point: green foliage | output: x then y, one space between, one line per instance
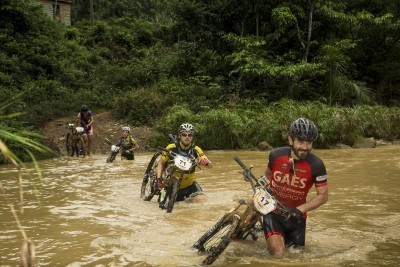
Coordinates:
174 117
214 63
219 129
241 127
379 122
158 140
139 107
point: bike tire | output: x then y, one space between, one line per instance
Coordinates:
217 239
148 188
80 147
69 145
199 245
111 157
173 195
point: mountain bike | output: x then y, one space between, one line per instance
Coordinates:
177 168
114 151
149 186
244 220
74 142
173 174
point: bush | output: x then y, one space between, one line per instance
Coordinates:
139 107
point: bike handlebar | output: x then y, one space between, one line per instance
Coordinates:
281 208
245 168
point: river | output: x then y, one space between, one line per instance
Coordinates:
86 212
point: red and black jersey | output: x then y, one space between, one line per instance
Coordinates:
292 179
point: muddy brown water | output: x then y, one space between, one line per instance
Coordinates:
86 212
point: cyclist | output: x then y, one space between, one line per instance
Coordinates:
128 144
185 146
292 171
85 120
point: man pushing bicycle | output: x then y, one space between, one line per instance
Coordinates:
189 187
292 171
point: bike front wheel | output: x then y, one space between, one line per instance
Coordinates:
173 195
111 157
80 147
217 239
168 198
148 188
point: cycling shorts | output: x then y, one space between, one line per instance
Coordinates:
293 233
188 191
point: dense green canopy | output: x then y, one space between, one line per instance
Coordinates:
142 58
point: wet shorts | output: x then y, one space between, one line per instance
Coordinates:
129 155
86 132
188 191
293 233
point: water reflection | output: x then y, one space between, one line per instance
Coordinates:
86 212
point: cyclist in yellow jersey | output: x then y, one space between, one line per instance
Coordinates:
189 187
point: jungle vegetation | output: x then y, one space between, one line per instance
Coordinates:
241 71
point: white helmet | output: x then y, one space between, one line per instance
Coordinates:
126 128
186 127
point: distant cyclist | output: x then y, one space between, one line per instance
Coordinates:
85 120
292 171
128 144
189 187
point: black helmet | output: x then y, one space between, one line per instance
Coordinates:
84 108
304 129
186 127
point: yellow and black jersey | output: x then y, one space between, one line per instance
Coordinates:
127 142
192 150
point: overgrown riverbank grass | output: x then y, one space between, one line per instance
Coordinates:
235 127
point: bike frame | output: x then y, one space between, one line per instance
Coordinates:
76 138
241 221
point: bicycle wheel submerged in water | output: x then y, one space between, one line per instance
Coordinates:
148 188
217 239
171 192
80 147
111 157
69 145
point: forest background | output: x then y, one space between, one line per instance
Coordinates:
240 71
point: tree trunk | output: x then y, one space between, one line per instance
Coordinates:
309 32
256 11
55 9
91 11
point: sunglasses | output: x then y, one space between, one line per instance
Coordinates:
187 135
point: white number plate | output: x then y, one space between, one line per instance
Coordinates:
182 162
79 129
263 202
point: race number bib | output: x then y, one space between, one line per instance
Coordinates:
182 162
263 202
79 129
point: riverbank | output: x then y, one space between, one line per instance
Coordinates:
105 126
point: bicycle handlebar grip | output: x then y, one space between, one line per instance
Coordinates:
240 162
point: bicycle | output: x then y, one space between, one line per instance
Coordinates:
243 220
74 142
114 151
149 186
179 164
